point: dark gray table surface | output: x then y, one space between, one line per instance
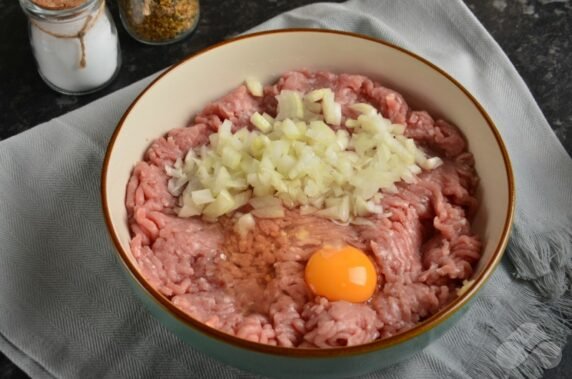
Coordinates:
535 34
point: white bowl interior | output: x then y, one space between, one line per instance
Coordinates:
176 97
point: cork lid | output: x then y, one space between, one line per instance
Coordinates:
58 4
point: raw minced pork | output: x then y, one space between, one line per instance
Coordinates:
254 287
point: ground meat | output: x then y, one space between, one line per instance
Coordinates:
254 288
339 323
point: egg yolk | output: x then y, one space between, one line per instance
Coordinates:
341 273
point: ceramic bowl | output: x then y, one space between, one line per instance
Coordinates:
185 88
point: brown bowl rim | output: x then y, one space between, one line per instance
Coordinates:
426 325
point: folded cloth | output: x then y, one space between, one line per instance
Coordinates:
67 311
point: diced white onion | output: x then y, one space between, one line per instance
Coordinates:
264 202
316 95
298 160
313 107
268 118
189 208
343 139
433 163
332 110
364 108
398 129
242 198
244 224
307 209
362 221
223 203
260 122
290 130
351 123
414 169
254 87
231 158
176 185
203 196
290 105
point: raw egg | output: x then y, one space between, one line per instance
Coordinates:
341 273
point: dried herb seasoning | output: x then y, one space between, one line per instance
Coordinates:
159 21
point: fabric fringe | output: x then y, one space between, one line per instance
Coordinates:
544 259
524 345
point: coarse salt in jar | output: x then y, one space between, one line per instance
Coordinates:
74 43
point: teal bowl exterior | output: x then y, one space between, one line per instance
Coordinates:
281 366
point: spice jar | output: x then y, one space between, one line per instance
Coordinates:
74 43
158 22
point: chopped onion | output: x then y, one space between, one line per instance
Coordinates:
201 197
242 198
414 169
189 207
261 122
398 129
268 118
290 130
175 186
307 209
351 123
254 87
265 201
297 160
290 105
364 108
244 224
316 95
433 163
313 107
362 221
332 110
223 203
343 139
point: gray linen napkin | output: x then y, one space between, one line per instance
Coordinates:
67 311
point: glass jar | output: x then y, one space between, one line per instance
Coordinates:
74 43
158 22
